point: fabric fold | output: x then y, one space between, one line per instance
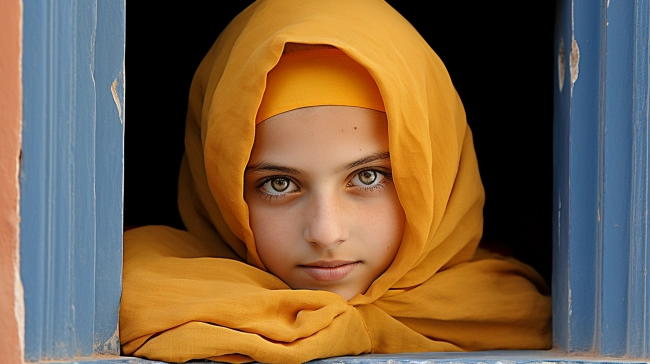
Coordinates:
205 294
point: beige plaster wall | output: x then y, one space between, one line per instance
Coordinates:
11 291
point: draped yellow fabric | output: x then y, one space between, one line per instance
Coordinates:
204 293
316 78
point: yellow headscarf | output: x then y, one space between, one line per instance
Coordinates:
204 294
317 77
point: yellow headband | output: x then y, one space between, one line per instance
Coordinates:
316 78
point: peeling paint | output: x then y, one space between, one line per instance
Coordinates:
561 64
574 61
116 99
110 346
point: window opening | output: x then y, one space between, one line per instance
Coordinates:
506 90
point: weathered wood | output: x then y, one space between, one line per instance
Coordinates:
601 177
71 178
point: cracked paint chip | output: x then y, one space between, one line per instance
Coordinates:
574 61
561 64
116 99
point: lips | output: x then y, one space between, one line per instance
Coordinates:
328 271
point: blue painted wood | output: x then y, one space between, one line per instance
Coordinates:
62 272
53 101
577 186
84 172
109 75
638 323
486 357
71 181
601 171
585 175
617 169
34 224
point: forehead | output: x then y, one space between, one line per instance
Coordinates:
320 134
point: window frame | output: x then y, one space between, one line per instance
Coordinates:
600 289
72 185
71 176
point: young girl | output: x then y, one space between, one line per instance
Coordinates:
333 204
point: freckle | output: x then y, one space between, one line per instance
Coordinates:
355 128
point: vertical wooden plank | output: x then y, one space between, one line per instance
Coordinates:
585 174
638 324
83 275
618 175
606 176
109 78
624 311
33 224
67 58
578 175
57 338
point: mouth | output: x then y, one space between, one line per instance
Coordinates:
329 270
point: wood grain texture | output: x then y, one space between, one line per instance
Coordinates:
71 236
601 121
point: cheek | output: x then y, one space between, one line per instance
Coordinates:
390 231
274 233
382 226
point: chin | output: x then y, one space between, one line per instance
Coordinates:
347 294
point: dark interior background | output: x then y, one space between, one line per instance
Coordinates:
500 58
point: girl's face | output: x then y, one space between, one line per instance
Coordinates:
322 203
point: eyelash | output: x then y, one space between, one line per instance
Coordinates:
385 174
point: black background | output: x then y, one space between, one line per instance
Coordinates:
499 56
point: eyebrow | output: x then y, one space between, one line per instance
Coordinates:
264 166
381 156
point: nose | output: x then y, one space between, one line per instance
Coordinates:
325 221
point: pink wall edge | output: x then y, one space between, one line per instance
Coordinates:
12 313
